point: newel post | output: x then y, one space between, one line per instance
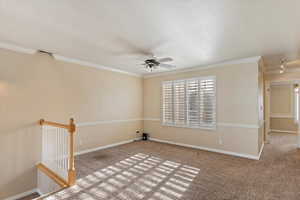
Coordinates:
71 170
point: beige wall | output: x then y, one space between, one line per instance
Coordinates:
237 106
282 100
37 86
284 124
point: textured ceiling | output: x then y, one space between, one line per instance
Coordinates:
193 32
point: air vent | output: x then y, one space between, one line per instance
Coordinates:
45 52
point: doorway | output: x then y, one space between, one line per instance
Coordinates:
283 109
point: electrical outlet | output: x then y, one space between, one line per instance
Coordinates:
220 141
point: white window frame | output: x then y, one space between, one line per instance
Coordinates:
213 127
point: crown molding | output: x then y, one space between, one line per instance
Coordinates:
20 49
204 67
16 48
89 64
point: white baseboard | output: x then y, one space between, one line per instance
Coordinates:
23 194
105 147
283 131
253 157
179 144
39 191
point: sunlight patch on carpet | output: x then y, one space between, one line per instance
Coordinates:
134 178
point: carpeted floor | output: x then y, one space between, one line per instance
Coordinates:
156 171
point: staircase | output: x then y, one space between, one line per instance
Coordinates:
56 170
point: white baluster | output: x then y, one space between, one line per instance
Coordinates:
65 154
59 147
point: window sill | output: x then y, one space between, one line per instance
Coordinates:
191 127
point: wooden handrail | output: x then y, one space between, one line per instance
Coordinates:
71 127
59 180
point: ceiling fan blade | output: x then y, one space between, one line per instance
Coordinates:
168 59
138 50
132 48
295 62
167 66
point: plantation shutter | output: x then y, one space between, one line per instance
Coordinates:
168 102
179 102
207 102
193 99
190 103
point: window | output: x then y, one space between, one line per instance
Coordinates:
189 103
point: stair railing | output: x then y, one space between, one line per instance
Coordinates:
58 152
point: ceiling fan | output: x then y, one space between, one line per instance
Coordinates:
153 63
145 54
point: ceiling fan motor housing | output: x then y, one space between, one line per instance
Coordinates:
152 62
